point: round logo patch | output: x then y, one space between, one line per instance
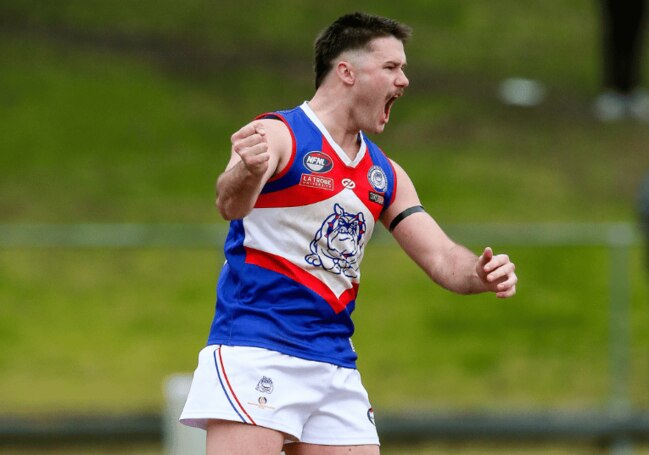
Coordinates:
377 179
318 162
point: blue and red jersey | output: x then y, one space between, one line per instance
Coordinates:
292 268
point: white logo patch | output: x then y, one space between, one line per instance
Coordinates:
377 179
349 183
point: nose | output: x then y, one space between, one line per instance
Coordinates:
402 81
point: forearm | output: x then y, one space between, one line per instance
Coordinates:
447 263
456 271
236 192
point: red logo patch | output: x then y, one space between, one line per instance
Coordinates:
316 181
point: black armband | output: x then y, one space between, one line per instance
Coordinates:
406 213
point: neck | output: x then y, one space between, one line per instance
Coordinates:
336 115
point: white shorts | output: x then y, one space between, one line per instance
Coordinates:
311 402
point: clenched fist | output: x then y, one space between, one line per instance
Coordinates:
251 145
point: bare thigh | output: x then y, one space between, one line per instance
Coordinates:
234 438
315 449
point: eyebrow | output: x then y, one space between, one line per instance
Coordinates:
397 63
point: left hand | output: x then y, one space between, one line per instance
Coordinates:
497 273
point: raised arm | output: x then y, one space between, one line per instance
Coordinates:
260 150
449 264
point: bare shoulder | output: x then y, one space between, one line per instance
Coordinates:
276 130
397 168
405 197
280 140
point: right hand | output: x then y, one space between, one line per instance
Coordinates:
251 144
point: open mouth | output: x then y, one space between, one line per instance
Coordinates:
388 106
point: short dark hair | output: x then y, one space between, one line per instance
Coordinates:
352 31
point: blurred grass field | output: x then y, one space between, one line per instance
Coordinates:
99 330
122 112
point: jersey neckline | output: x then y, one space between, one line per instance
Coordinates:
334 145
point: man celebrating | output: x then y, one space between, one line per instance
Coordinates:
303 191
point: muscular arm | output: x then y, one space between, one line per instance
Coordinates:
449 264
259 150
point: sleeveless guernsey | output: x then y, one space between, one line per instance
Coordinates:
292 267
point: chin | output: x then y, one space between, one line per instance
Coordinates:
377 128
380 128
374 127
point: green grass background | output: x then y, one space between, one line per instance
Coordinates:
122 112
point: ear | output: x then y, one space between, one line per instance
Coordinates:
346 72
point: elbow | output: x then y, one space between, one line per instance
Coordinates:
222 205
224 211
229 211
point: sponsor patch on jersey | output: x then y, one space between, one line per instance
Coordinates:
376 197
377 179
349 183
316 181
318 162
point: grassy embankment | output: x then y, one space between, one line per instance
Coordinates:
117 116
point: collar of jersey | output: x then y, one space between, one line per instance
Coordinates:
339 151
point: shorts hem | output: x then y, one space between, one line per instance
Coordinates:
341 442
304 355
199 420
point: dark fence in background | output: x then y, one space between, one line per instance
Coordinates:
595 427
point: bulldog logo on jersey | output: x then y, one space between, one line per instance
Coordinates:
377 179
338 245
318 162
